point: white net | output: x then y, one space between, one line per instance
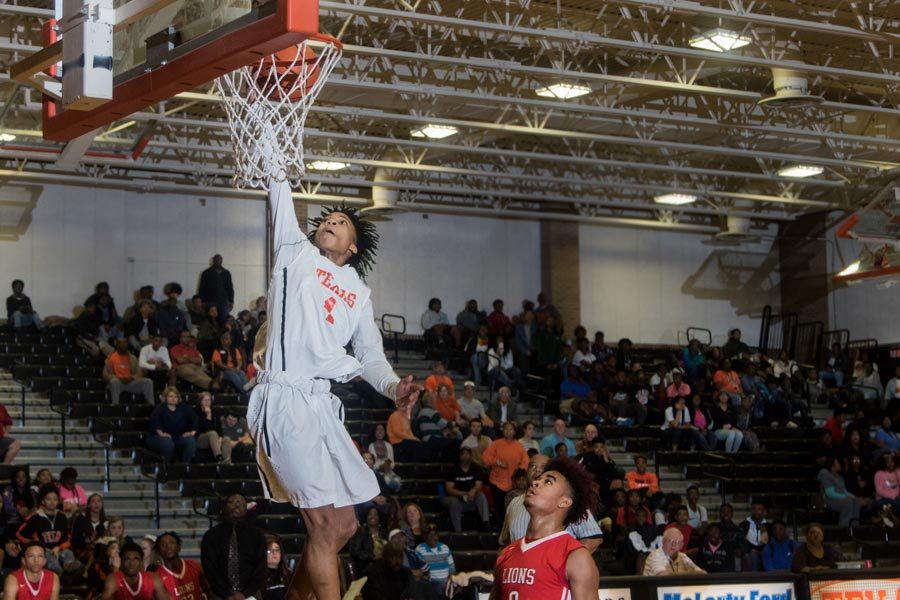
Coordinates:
267 104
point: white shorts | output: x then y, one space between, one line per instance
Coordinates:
304 454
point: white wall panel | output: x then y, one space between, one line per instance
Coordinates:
649 286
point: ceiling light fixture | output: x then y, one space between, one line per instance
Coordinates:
327 165
675 199
7 137
800 171
434 132
719 40
563 91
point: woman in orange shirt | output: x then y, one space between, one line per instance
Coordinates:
726 380
503 457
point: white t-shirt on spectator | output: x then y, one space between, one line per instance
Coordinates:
580 359
148 354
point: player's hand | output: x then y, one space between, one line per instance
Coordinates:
407 392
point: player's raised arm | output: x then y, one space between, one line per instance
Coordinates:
285 228
584 579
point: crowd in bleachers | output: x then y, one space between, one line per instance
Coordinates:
709 399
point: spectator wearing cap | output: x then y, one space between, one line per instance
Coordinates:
155 362
9 446
188 363
71 495
471 407
412 560
123 374
141 326
235 434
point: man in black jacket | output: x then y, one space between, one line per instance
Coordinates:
87 330
388 579
233 554
216 287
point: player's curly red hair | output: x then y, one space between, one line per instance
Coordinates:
585 492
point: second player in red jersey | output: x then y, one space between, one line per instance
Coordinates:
131 582
548 563
183 578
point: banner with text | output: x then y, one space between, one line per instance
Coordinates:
730 591
855 589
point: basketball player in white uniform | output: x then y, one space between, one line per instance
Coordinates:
317 305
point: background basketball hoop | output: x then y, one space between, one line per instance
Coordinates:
267 104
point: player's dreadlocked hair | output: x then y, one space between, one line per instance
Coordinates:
366 236
585 493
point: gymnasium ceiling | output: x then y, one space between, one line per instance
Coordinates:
661 116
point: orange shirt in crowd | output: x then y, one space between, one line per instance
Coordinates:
448 409
727 381
230 358
120 365
512 453
637 481
433 381
398 428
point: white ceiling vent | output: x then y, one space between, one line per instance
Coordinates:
791 91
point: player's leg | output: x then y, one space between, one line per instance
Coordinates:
328 529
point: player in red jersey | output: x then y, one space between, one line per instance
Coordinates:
131 582
548 563
183 578
32 581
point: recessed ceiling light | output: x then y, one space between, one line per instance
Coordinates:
800 171
675 199
563 91
719 40
7 137
434 132
327 165
849 269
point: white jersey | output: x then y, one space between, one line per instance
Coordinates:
316 308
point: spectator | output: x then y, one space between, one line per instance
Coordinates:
188 363
677 426
625 515
388 579
170 314
668 558
9 446
698 516
622 401
503 409
182 578
778 554
545 309
436 326
678 387
88 527
130 577
33 573
815 555
526 332
744 424
435 431
887 482
859 477
756 532
643 538
734 347
477 347
367 544
599 348
601 465
784 366
383 501
527 438
406 445
477 442
144 293
209 331
381 449
278 574
448 406
640 478
724 424
812 388
87 332
680 522
463 492
869 384
503 457
548 348
412 560
49 527
109 318
727 380
148 545
836 366
18 499
892 390
439 559
837 498
173 428
154 360
471 407
702 421
731 531
517 519
233 553
413 523
196 314
498 323
216 288
209 427
141 326
123 374
558 435
437 377
885 438
104 560
20 314
71 495
716 555
228 365
573 385
111 315
468 320
694 359
520 486
43 477
501 366
236 435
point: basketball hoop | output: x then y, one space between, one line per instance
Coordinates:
267 103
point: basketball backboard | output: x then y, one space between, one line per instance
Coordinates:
159 49
877 226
